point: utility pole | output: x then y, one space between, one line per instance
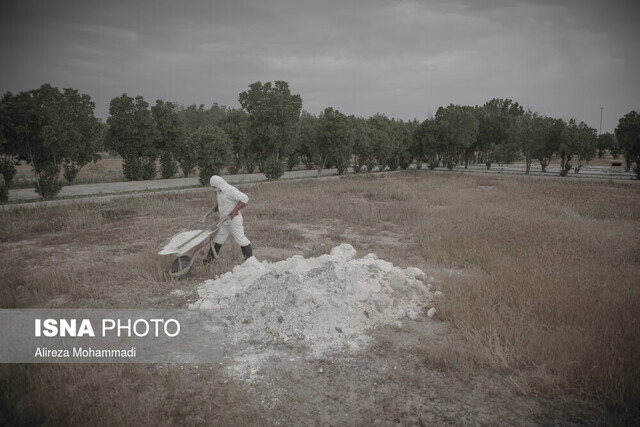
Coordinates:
600 132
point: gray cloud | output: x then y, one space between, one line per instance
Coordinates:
402 58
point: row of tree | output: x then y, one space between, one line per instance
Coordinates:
57 133
51 130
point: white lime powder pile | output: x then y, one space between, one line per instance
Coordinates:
328 303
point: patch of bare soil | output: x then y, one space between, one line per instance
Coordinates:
388 383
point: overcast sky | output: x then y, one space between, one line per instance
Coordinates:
564 58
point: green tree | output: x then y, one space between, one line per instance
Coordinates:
545 147
615 148
197 116
292 149
236 126
495 118
193 117
363 149
21 125
50 129
458 129
216 114
273 114
132 134
606 143
367 138
170 138
82 135
401 156
382 140
587 145
578 141
628 134
213 151
528 133
9 149
45 150
425 143
336 138
306 138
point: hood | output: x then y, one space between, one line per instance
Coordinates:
217 182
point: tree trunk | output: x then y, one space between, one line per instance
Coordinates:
544 163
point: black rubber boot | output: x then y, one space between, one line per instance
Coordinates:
246 251
210 255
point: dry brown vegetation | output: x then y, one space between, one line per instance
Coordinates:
107 169
540 283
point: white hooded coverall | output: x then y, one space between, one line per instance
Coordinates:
228 197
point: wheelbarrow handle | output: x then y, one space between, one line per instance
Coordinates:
207 214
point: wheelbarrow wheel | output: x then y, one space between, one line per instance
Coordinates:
181 267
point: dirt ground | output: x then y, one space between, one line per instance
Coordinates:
389 383
394 381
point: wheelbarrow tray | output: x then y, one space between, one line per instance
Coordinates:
190 238
186 244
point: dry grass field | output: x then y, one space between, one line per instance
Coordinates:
107 169
541 302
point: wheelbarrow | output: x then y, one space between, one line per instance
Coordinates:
189 243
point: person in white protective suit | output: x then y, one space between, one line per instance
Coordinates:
230 201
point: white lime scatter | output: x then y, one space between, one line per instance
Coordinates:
182 242
328 303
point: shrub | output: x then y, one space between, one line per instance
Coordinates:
393 163
451 164
273 169
48 183
132 168
187 165
149 169
251 164
405 162
292 162
168 166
